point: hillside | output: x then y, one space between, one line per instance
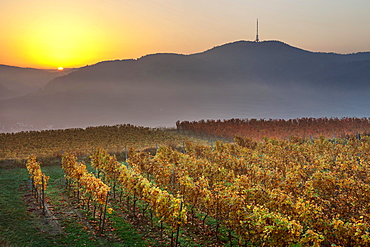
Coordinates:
243 79
16 81
115 139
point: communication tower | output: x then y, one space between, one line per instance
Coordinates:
257 39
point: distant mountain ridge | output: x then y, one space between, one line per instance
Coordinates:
16 81
242 79
244 59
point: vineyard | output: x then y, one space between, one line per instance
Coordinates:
277 193
52 143
308 128
271 192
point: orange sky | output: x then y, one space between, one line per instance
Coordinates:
75 33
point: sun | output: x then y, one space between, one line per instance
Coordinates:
60 68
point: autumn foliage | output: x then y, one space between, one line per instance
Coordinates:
39 179
52 143
279 128
167 207
273 193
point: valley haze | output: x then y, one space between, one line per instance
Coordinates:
243 79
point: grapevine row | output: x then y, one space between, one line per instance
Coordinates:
257 129
38 178
275 191
166 206
93 188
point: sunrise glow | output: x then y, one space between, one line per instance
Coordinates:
49 37
47 34
66 41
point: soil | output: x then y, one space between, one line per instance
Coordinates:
42 216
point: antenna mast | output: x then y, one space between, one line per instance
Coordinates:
257 39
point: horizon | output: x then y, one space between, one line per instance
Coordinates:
57 69
50 34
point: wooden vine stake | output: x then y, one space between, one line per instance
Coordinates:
178 226
102 219
43 196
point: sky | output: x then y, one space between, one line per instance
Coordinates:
49 34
